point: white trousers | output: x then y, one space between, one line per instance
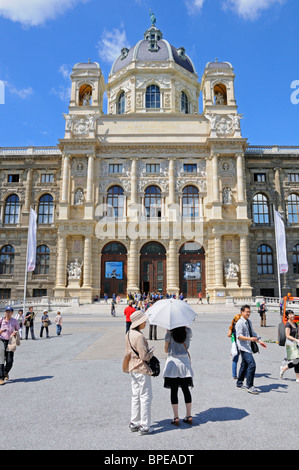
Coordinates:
141 399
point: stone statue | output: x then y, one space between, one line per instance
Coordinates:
227 196
74 269
153 18
86 99
231 270
219 99
236 118
79 197
212 118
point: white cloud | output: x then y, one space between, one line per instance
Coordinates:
111 44
22 93
63 92
250 9
35 12
194 5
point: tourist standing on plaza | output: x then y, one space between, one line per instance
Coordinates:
45 324
20 317
29 322
58 321
113 305
128 312
9 327
245 337
138 354
262 312
178 372
232 334
292 345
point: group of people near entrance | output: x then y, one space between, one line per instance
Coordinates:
178 373
11 332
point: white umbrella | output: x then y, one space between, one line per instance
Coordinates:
170 314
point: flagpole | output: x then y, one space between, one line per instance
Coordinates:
277 256
26 273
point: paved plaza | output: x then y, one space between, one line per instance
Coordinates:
69 392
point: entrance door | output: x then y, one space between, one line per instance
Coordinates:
192 270
153 268
114 270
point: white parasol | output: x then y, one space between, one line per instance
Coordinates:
170 314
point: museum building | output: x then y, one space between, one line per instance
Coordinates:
154 196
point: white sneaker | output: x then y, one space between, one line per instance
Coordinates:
253 390
144 431
281 372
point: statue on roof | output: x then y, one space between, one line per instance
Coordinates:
153 18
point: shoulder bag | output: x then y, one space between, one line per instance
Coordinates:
254 345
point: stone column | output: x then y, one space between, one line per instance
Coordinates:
87 264
218 261
173 285
134 190
65 179
28 191
240 178
172 181
215 178
61 262
133 267
244 261
90 178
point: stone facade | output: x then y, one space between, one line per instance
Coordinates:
181 185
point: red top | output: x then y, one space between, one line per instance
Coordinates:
128 312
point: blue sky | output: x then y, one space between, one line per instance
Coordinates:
41 40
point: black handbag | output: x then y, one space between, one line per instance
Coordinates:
153 363
254 345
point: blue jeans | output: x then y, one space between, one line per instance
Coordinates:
234 365
58 329
247 369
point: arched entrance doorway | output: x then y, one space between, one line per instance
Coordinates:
153 268
114 269
192 269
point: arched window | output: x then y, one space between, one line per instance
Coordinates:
184 103
42 264
45 209
260 209
114 248
115 199
190 201
293 208
265 260
296 259
12 209
152 201
152 97
220 94
153 248
7 258
85 95
121 103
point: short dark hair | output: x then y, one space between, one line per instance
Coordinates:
244 307
179 334
289 312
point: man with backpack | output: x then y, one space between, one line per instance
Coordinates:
262 312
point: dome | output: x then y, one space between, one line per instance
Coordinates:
219 65
86 66
153 48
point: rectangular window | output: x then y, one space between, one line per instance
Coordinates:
152 168
115 168
39 293
190 167
13 178
5 294
293 177
47 178
260 177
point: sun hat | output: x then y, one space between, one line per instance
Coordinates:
137 318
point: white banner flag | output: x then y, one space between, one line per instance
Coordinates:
31 248
281 243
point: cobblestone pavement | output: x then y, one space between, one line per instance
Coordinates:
69 392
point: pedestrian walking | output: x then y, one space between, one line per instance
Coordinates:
45 324
113 304
292 345
29 322
199 298
58 321
235 351
20 317
178 372
9 328
128 312
208 297
245 337
262 312
138 354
